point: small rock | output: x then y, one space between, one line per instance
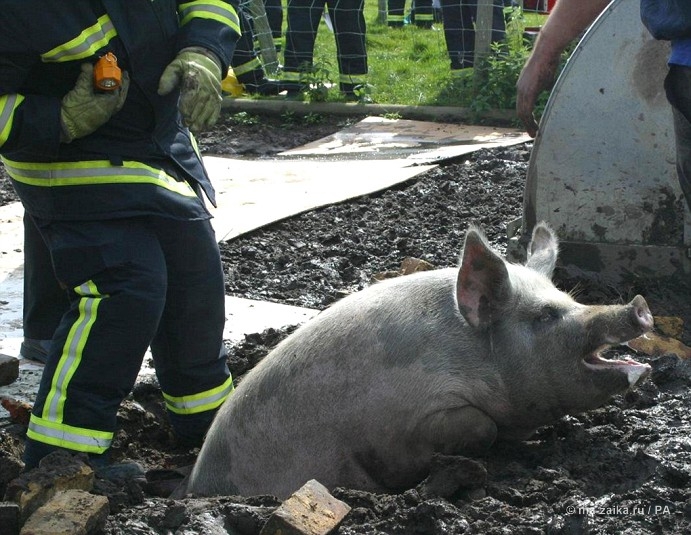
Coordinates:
57 471
20 411
68 513
414 265
309 511
9 369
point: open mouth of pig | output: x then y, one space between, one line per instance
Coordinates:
634 370
621 326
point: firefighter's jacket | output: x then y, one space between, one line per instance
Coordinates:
143 160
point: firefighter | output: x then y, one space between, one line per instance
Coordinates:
110 176
274 16
348 22
459 30
247 65
421 13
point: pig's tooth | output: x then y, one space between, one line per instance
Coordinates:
636 372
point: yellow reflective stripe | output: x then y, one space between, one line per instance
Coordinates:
209 9
395 18
204 401
72 351
94 172
353 78
86 44
67 436
8 104
247 67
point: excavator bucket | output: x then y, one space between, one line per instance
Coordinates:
602 170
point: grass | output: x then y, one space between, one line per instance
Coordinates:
410 66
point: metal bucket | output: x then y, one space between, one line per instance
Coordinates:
602 170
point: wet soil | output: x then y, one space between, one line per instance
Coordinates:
623 468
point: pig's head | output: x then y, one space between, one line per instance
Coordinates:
546 346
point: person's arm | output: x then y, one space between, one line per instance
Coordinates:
209 30
213 25
27 122
566 22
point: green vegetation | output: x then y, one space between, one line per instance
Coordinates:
410 66
244 119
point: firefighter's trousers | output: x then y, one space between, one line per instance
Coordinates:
349 29
132 283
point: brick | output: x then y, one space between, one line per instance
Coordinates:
309 511
58 471
70 512
20 411
9 369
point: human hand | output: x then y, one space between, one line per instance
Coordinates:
84 110
537 75
198 74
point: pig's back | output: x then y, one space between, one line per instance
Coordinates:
353 375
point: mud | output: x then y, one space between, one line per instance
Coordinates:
624 468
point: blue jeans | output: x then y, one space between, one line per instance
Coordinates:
678 89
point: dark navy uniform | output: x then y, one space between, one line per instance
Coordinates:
459 30
246 62
422 13
121 212
349 30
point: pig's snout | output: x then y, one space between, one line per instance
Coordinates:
616 324
640 314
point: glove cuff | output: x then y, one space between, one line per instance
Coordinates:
214 64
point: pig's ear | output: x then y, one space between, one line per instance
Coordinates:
543 250
482 281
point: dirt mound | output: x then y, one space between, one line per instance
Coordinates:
624 468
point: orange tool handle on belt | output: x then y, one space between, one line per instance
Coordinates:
107 74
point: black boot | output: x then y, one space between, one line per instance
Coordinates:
255 82
265 87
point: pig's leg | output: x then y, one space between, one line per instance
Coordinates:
459 431
464 430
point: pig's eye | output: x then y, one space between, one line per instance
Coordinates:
547 315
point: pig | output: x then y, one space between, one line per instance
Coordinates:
441 362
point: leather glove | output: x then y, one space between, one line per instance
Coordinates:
84 110
198 74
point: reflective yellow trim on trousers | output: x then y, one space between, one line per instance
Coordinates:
93 172
73 349
202 402
68 437
209 9
8 105
86 44
247 67
49 427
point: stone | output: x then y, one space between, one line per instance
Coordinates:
57 471
70 512
9 369
311 510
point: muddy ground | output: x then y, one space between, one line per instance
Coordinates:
624 468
